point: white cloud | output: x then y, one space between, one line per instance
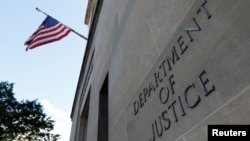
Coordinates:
62 119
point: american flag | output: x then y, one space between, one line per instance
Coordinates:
49 31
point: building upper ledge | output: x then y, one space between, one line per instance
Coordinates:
89 12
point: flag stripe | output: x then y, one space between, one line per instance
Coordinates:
56 36
41 36
49 31
43 32
33 36
48 40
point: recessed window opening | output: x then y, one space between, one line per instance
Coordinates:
103 112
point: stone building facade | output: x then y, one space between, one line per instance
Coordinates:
163 70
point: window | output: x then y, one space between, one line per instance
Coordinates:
103 112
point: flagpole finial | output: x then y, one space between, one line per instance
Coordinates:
41 11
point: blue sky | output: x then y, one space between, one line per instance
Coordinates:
48 73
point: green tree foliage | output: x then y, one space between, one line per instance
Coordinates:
24 120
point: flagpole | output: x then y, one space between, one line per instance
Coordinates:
65 25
